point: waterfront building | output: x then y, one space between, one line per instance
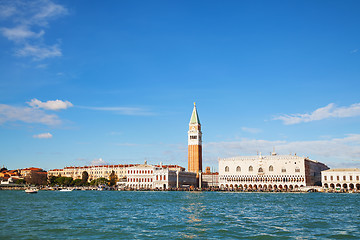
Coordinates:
6 174
195 143
341 179
28 171
163 177
283 172
209 179
94 172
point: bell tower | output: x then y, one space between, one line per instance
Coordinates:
194 143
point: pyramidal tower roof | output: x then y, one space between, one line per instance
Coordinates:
194 116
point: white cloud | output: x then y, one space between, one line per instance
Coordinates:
47 11
120 110
20 33
25 114
333 150
7 11
43 135
98 162
26 21
329 111
251 130
39 52
50 105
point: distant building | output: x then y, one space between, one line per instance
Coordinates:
163 177
94 172
283 172
27 171
341 179
34 175
209 179
5 175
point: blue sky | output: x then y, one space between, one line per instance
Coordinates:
114 82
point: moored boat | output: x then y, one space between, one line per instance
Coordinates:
66 190
31 190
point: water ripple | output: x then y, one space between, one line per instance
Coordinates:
178 215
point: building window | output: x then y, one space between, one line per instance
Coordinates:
226 169
164 178
331 178
261 170
283 170
271 168
193 137
238 169
251 169
338 178
357 178
350 178
344 178
297 169
325 178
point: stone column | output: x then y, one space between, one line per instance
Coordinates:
200 179
177 179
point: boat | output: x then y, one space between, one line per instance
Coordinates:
66 190
32 190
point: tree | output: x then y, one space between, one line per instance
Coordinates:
52 180
99 181
37 178
20 181
64 181
77 182
113 178
84 177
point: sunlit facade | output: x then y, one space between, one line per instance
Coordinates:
341 179
273 172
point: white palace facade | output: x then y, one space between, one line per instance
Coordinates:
341 179
273 172
144 176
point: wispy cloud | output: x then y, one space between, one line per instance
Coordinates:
329 111
34 113
251 130
120 110
20 33
98 162
50 105
329 151
28 115
7 11
28 20
39 52
43 135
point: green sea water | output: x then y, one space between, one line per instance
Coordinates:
178 215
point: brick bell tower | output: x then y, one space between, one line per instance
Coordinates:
194 143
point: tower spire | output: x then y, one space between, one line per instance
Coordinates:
194 116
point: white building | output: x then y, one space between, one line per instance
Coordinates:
94 172
341 179
283 172
146 176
